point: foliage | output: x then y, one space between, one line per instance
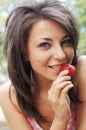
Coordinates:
2 58
3 63
5 7
79 9
80 6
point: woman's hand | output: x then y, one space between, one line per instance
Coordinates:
58 96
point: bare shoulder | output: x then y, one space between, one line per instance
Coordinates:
81 66
11 109
80 70
4 92
81 77
8 97
5 96
81 88
82 60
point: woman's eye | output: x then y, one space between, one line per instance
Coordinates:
67 42
45 45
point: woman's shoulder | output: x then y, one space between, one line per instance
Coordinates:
81 76
81 65
82 60
10 108
4 92
5 95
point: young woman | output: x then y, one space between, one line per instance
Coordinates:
40 38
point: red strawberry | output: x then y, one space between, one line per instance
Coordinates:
69 67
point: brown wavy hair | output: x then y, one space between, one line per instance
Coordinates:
18 26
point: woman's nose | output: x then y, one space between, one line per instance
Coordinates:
59 53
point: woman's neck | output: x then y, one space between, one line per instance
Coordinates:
41 83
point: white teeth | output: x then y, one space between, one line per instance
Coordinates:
55 67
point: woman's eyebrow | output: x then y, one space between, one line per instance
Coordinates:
44 38
49 39
66 36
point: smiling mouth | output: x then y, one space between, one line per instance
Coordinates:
55 67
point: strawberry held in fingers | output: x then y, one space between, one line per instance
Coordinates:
69 67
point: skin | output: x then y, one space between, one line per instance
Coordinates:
47 52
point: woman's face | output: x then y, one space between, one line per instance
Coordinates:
48 48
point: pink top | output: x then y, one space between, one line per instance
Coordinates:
71 124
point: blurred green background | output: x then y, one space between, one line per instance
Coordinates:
79 9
